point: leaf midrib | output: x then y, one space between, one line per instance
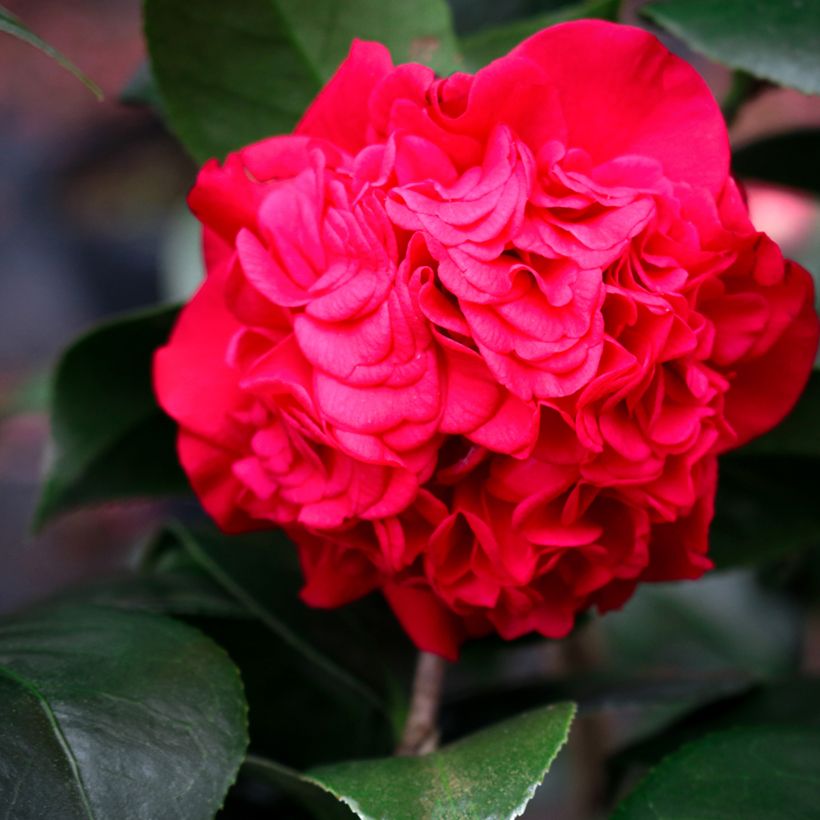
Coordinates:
269 620
61 739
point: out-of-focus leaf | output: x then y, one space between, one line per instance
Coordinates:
421 31
111 440
766 502
777 41
111 714
766 508
760 773
230 74
188 592
142 89
722 624
799 433
481 47
11 24
493 773
646 702
797 577
790 702
788 159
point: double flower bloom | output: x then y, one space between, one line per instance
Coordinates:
478 341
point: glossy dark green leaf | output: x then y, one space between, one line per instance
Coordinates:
491 774
788 159
111 440
13 25
109 714
773 40
760 773
230 74
481 47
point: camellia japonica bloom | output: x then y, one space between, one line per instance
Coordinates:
477 341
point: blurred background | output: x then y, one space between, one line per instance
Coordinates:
93 223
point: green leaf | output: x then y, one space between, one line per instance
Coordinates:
320 804
493 773
766 502
788 159
781 703
11 24
776 41
488 44
184 592
339 673
142 90
761 773
108 714
111 439
647 704
230 74
421 31
251 572
722 625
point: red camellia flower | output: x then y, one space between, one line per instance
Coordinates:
478 341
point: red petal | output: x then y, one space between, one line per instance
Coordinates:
430 625
622 92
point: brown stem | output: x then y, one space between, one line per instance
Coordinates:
588 745
421 733
811 643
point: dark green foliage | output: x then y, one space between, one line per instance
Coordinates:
776 41
105 713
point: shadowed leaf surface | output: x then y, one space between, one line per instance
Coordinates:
111 439
322 684
320 804
788 159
